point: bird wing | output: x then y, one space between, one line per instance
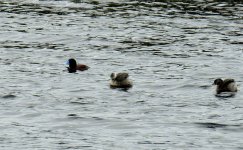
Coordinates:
228 81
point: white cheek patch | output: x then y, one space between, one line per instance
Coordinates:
114 77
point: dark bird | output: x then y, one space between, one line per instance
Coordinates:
227 85
74 66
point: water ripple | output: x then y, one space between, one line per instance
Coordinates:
172 50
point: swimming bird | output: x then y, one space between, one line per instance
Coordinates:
227 85
74 66
120 80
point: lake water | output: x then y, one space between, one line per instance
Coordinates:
172 52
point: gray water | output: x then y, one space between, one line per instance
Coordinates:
172 52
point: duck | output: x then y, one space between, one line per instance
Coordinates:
120 80
74 66
226 85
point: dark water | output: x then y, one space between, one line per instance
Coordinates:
172 51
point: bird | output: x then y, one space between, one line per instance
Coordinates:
74 66
120 80
226 85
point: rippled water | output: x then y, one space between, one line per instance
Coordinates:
172 51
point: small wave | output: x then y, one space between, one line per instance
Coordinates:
211 125
21 45
8 96
81 103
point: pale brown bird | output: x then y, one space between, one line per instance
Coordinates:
120 80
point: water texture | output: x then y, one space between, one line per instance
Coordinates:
172 50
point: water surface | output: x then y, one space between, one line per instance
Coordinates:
172 52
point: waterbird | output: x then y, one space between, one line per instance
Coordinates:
74 66
120 80
226 85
